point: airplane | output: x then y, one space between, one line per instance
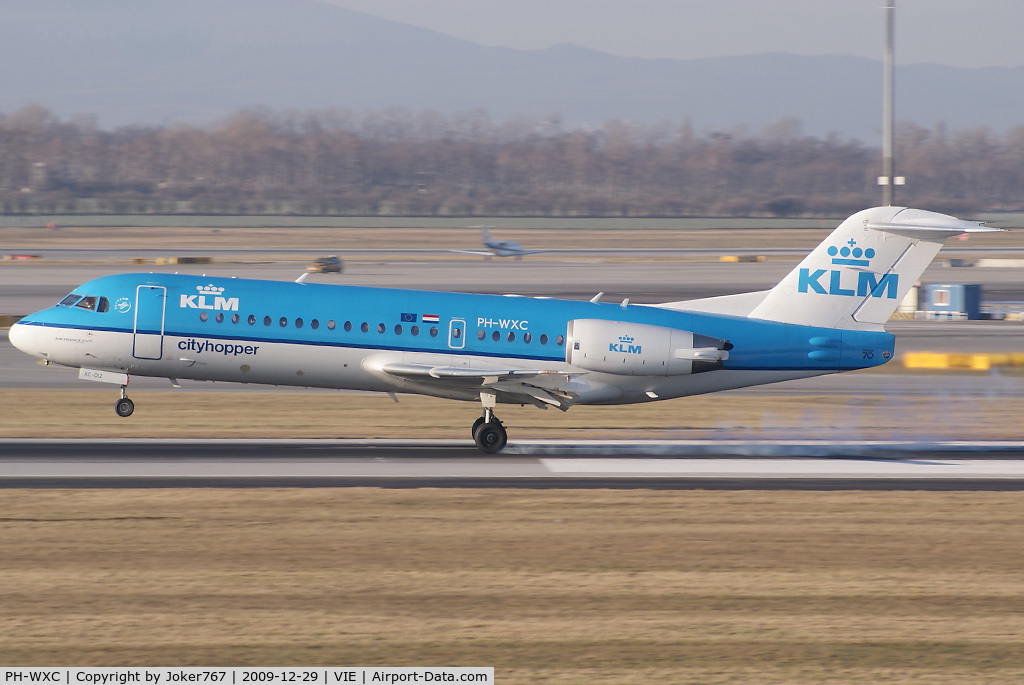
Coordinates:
499 248
826 316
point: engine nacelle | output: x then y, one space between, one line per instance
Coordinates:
636 349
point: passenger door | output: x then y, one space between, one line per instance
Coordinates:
150 305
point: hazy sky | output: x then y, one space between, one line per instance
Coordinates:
969 33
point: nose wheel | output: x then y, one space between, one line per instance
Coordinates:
488 433
124 406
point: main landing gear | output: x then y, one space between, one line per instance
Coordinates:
124 406
488 433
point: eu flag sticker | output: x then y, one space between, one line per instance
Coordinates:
408 318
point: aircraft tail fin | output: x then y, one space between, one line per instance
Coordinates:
857 277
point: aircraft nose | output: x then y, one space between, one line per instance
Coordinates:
24 338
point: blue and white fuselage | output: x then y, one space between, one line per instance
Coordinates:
495 349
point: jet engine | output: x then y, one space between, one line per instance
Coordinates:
635 349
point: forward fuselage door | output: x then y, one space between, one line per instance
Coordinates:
150 305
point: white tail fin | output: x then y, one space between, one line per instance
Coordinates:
863 270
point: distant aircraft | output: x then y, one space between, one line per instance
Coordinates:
826 316
499 248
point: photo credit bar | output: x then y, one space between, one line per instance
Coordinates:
312 675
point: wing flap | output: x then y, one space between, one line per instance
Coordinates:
421 371
510 383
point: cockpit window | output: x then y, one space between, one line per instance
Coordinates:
94 303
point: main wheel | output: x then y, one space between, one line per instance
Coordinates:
476 424
490 437
124 407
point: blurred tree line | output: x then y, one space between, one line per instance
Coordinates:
400 162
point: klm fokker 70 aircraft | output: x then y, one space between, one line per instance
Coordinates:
826 316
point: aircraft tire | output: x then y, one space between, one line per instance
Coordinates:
124 407
490 437
476 424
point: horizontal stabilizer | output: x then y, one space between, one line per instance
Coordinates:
931 227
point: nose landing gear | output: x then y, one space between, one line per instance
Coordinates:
124 406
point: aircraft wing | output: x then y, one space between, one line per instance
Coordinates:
533 386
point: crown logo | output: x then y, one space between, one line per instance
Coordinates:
850 255
626 339
209 289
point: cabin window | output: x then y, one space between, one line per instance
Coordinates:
348 326
415 330
543 338
70 300
511 336
87 302
252 319
314 324
433 331
220 317
495 336
284 321
560 340
267 320
298 323
330 325
398 329
104 305
235 318
365 327
203 316
481 334
381 328
527 338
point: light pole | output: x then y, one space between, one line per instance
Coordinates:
887 180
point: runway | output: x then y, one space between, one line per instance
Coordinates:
653 464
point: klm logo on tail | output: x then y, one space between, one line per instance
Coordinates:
840 282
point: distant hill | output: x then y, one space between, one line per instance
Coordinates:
195 61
